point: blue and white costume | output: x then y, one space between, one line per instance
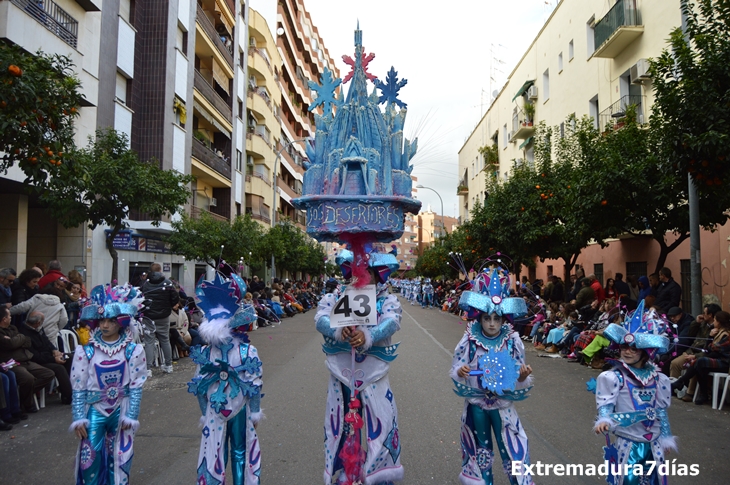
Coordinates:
227 385
415 296
379 411
107 380
491 388
427 298
634 402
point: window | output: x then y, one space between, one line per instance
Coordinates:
546 84
239 161
593 110
121 89
506 136
560 63
570 50
635 269
550 270
598 271
181 41
590 36
126 10
240 109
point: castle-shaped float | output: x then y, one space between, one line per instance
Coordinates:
358 178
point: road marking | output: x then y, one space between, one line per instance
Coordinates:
449 353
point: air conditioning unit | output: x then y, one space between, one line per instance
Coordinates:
640 72
532 92
249 161
252 42
510 135
213 202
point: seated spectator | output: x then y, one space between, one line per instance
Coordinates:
46 354
195 318
669 293
7 278
644 288
700 330
75 278
10 412
73 306
54 273
29 375
47 302
623 289
717 358
604 315
40 268
683 324
589 354
26 286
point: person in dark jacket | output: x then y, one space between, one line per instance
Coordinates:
644 288
7 278
558 293
160 296
622 288
669 292
683 324
25 286
29 375
46 355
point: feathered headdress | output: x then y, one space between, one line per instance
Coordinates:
106 301
221 301
643 330
490 295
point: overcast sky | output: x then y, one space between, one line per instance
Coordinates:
445 51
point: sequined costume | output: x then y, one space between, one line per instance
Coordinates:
379 410
107 381
633 402
427 297
227 385
486 413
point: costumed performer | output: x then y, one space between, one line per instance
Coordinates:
632 400
227 384
107 376
373 409
489 372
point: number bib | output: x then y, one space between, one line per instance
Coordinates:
356 306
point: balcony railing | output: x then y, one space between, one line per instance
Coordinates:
611 116
215 99
259 176
623 16
196 212
209 29
211 159
53 17
462 188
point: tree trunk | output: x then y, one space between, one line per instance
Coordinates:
569 264
113 253
665 249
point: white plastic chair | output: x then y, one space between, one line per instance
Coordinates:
724 392
67 336
716 376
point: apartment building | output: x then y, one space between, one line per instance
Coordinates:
263 108
304 59
432 226
590 58
71 28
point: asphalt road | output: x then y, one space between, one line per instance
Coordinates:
557 417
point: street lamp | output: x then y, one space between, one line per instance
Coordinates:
276 196
419 186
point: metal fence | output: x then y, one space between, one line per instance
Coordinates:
623 13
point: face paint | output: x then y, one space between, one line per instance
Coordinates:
491 324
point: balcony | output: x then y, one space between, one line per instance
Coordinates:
612 117
286 189
211 159
619 28
462 188
214 98
259 176
196 212
209 29
52 17
523 130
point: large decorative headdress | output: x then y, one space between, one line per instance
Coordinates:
106 301
490 294
643 330
221 301
383 263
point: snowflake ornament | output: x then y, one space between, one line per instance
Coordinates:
390 88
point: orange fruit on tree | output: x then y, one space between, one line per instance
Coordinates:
15 70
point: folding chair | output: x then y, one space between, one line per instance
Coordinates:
68 336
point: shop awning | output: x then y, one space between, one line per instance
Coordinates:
526 142
524 88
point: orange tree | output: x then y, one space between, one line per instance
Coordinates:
102 184
39 100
